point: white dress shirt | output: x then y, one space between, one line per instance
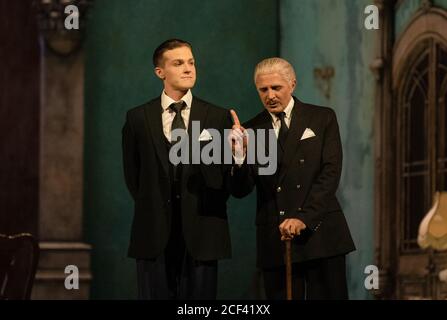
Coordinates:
276 122
168 114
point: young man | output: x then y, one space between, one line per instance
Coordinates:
298 202
180 227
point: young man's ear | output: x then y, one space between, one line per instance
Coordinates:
159 72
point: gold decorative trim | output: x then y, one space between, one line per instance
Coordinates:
51 18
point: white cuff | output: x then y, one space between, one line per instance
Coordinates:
239 160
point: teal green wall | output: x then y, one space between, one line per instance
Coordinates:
331 33
228 37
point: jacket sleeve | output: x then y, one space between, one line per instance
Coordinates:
131 160
226 167
241 180
326 183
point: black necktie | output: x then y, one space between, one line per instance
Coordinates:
282 136
283 131
178 122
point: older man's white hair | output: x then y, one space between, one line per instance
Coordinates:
275 65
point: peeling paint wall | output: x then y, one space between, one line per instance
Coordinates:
315 34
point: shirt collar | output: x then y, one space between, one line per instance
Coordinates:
287 110
166 101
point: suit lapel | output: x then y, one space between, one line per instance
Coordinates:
265 123
153 119
300 120
198 112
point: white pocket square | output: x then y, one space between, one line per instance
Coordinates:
205 136
308 133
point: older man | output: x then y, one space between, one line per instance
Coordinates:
298 202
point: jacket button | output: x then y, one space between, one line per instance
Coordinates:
298 186
278 189
300 209
281 213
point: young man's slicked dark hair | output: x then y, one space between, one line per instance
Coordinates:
165 46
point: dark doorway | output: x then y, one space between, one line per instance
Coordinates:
19 117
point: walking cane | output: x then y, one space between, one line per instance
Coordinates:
288 259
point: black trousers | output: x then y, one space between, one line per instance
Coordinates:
175 275
320 279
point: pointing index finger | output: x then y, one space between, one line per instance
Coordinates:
236 121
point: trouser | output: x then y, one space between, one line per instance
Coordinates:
319 279
175 274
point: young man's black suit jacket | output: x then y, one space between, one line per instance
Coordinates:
303 187
146 168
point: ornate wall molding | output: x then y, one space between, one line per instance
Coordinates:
381 67
389 68
425 24
52 15
61 170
